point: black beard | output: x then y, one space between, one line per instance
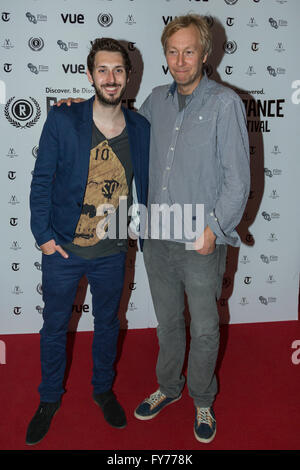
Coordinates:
109 102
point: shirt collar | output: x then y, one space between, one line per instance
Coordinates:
199 90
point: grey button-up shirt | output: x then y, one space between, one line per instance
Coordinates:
200 155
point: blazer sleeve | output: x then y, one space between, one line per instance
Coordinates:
145 109
42 181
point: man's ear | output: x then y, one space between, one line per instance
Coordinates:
90 78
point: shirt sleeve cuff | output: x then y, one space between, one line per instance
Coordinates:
213 223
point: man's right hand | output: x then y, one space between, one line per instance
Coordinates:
50 247
69 101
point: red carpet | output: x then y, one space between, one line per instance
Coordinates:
258 406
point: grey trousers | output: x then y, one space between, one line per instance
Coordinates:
172 271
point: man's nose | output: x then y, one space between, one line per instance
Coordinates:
111 76
180 58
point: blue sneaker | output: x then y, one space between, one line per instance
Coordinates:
205 426
151 406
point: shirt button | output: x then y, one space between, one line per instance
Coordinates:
164 188
177 128
168 168
211 214
200 117
172 148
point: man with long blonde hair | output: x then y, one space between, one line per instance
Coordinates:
198 155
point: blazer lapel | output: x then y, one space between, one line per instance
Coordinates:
134 144
85 137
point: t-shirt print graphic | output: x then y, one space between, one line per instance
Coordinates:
105 185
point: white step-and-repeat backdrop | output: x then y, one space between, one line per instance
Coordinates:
43 53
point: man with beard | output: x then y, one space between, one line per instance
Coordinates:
91 156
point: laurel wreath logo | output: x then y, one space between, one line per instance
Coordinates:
18 124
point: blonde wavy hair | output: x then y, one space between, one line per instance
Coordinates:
185 21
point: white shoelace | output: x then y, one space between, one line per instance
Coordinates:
155 398
204 416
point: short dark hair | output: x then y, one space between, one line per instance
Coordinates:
111 45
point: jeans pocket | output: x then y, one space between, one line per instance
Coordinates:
208 254
50 254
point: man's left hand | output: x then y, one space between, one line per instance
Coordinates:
205 244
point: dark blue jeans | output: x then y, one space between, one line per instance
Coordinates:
60 278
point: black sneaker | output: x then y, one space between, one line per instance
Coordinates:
112 410
40 423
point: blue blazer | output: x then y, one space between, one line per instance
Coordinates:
61 169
